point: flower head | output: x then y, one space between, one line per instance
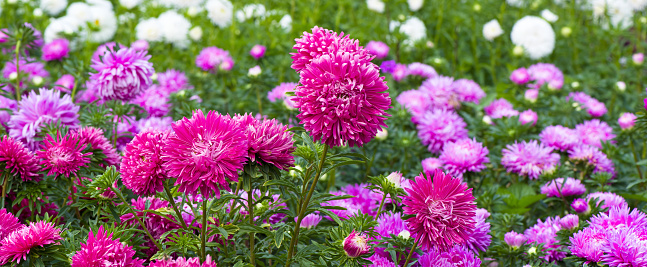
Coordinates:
422 70
580 206
123 74
500 108
205 153
400 71
212 58
464 155
65 83
356 245
479 239
33 69
569 221
531 95
431 164
528 116
102 250
468 91
611 200
594 107
56 50
520 76
514 239
157 225
269 141
95 139
388 66
415 101
619 217
17 159
441 91
558 137
162 124
377 48
592 156
627 121
258 51
545 73
443 209
155 100
323 41
172 81
141 168
437 127
139 45
342 99
492 29
8 223
63 155
588 242
546 233
563 187
626 247
309 221
15 246
535 35
456 256
390 224
529 158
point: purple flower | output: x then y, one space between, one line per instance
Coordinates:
500 108
627 121
544 73
546 233
162 124
122 75
431 164
619 217
65 83
588 242
390 224
258 51
611 200
269 141
468 91
141 167
514 239
56 50
520 76
309 221
322 41
377 48
280 93
400 72
456 256
441 91
172 81
479 239
563 187
592 156
558 137
139 45
102 250
529 159
8 223
421 70
211 58
415 101
528 116
626 247
569 222
580 206
388 66
342 99
438 127
464 155
32 70
356 245
154 100
63 155
594 107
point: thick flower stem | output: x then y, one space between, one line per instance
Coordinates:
415 245
381 205
304 207
174 205
4 189
250 204
148 233
203 234
18 71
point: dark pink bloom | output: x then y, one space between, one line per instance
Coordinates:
529 159
443 209
514 239
580 206
102 250
588 242
63 155
141 167
438 127
520 76
377 48
258 51
65 83
95 139
625 247
8 223
205 153
15 246
56 50
323 41
619 217
17 159
156 224
212 58
122 75
309 221
464 155
269 141
456 256
356 245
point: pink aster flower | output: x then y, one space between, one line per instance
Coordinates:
105 48
102 250
17 159
580 206
211 58
626 247
139 45
356 245
56 50
157 123
172 81
569 222
390 224
438 127
479 239
563 187
95 139
38 108
63 155
323 41
546 233
627 121
205 153
379 261
377 48
431 164
182 262
365 199
545 73
594 107
8 223
520 76
400 71
443 210
28 71
558 137
456 256
500 108
342 99
514 239
155 100
258 51
529 159
592 156
65 83
528 116
16 246
309 221
269 141
531 95
638 58
619 217
468 91
7 103
415 101
588 242
464 155
122 75
280 93
611 200
441 91
421 70
141 168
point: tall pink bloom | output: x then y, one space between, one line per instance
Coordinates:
8 223
627 121
16 246
95 139
323 41
102 250
529 159
56 50
443 210
464 155
123 74
269 141
141 168
520 76
17 159
205 153
342 99
63 155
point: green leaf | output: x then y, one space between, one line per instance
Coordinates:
278 237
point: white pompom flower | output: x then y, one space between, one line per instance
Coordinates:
534 35
53 7
220 12
492 29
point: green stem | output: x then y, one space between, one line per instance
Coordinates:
76 209
17 51
381 205
174 205
633 149
304 207
203 233
76 80
250 204
4 189
148 233
114 137
415 245
258 99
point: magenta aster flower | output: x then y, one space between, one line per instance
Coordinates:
155 100
563 187
350 208
441 91
626 247
15 246
309 221
611 200
8 223
172 81
28 71
619 217
364 198
65 83
182 262
627 121
162 124
464 155
514 239
96 140
378 49
123 74
356 245
56 50
558 137
443 210
529 159
102 250
211 58
593 132
592 156
520 76
569 222
400 71
63 155
323 41
500 108
479 239
456 256
415 101
544 73
388 66
280 93
390 224
379 261
431 164
546 233
580 206
421 70
258 51
141 168
588 243
528 116
17 159
438 127
342 99
205 153
468 91
269 141
38 108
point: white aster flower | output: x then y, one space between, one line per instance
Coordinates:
515 3
549 16
415 5
250 11
413 28
79 11
535 35
637 5
149 30
220 12
130 4
175 28
53 7
59 27
492 30
286 22
104 24
195 33
375 5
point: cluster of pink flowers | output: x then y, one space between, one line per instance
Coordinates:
594 107
17 240
540 74
214 59
32 68
545 232
56 50
280 93
500 108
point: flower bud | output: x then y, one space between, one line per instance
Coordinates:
37 80
405 234
192 11
638 59
575 85
580 206
532 251
381 134
294 173
355 245
395 178
430 44
258 51
195 33
531 95
476 7
566 31
487 120
517 51
643 20
13 76
627 121
254 71
38 12
227 65
514 239
438 61
570 222
622 86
